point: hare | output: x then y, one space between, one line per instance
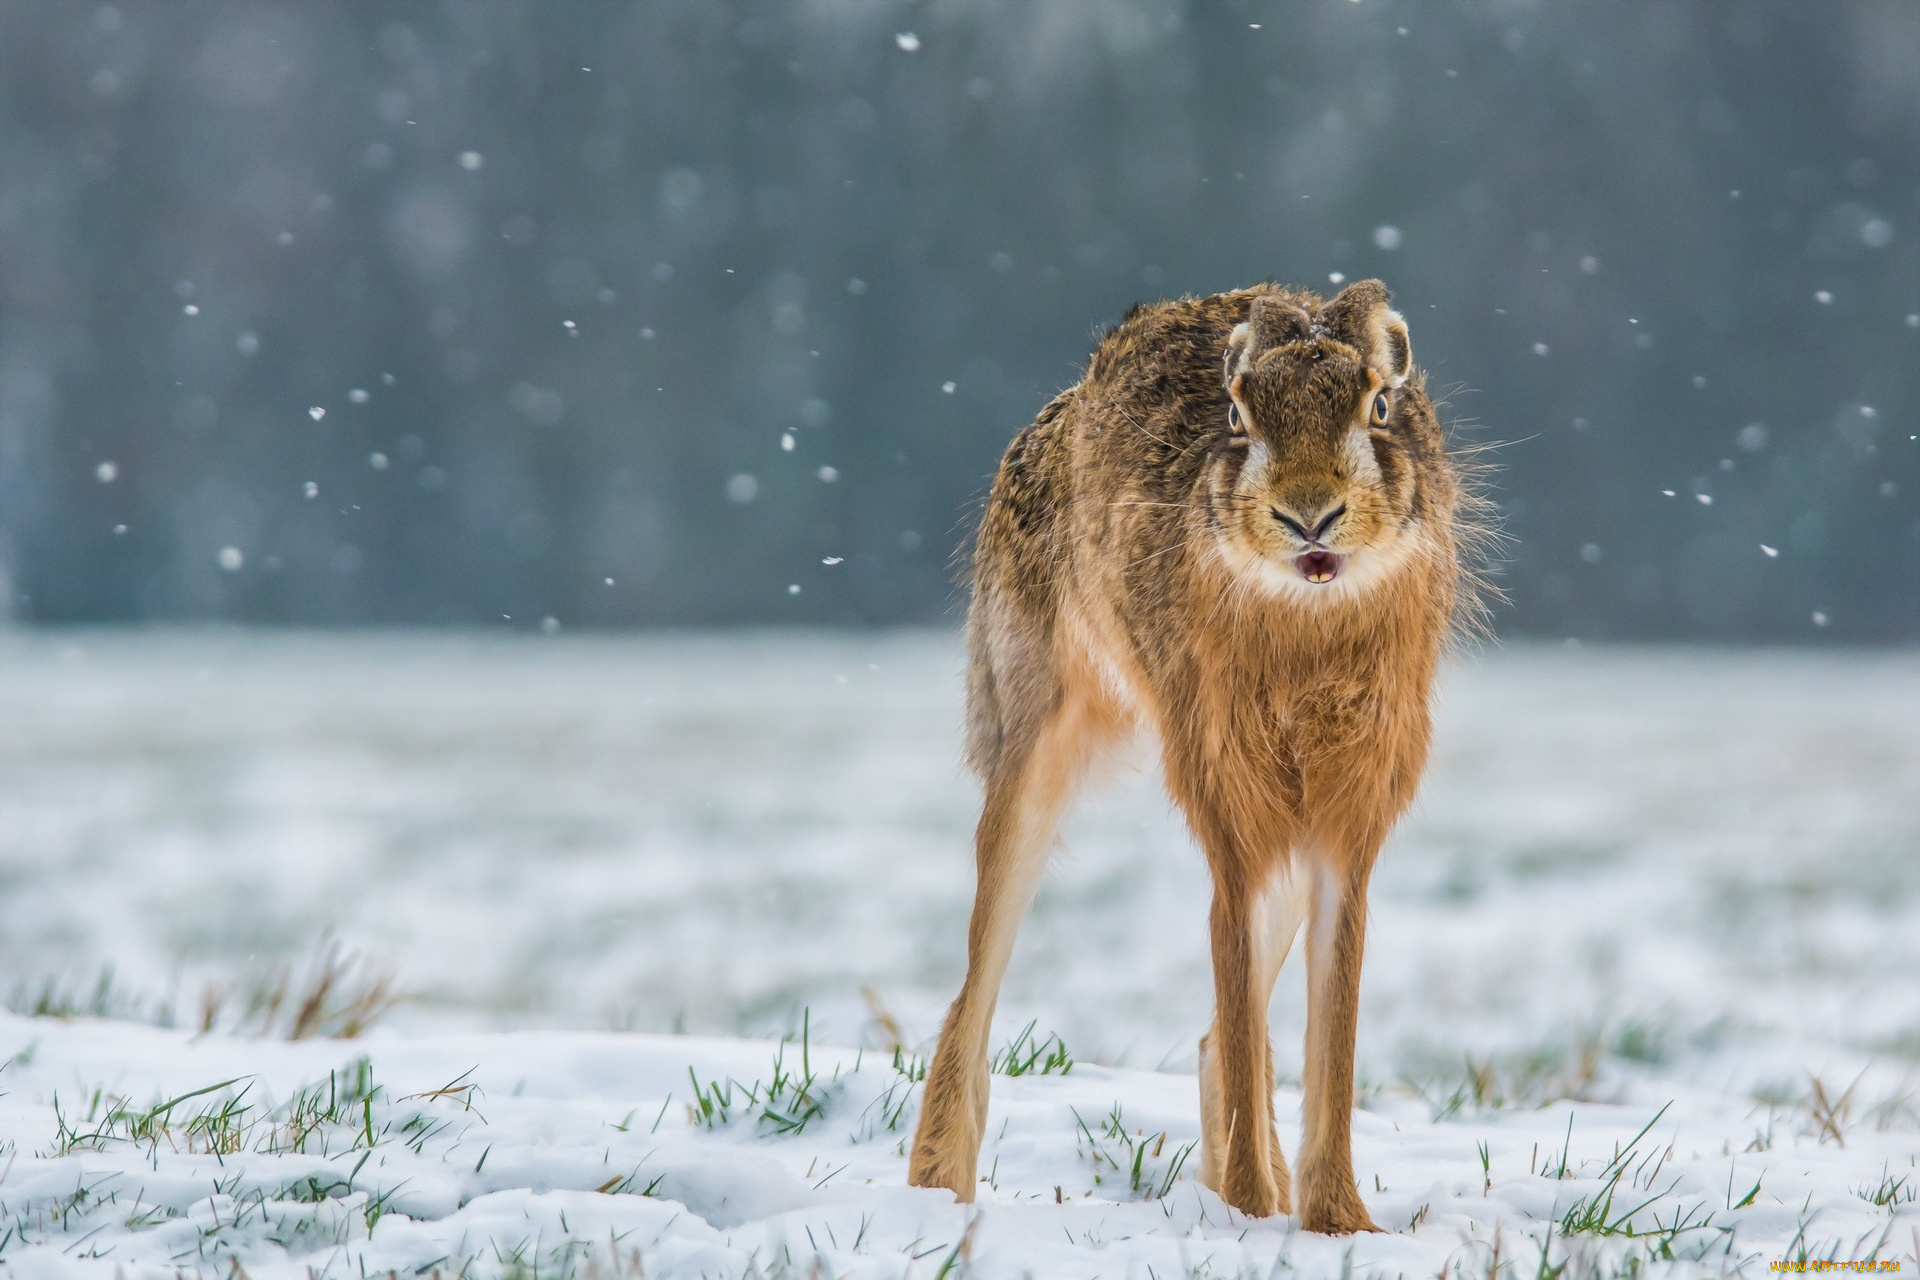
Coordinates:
1241 530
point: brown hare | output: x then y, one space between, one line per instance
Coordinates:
1242 531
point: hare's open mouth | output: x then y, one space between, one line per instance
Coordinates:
1319 566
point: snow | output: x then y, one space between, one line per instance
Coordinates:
561 1150
1639 878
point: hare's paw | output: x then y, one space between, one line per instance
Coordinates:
1248 1185
1335 1214
936 1166
946 1143
1282 1178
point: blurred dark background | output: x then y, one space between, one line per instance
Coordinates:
618 314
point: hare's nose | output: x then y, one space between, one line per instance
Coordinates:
1309 529
1326 521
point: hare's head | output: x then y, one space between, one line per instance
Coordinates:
1319 488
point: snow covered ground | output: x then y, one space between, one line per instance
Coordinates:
1638 878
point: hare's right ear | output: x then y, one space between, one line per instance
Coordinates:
1271 322
1239 351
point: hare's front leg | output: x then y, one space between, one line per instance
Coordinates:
1327 1199
1025 797
1240 1156
1276 921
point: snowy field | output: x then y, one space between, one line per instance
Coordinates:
608 875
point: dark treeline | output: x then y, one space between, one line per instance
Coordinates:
721 311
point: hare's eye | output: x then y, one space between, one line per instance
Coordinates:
1233 418
1380 410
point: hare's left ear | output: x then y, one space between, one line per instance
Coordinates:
1272 321
1361 317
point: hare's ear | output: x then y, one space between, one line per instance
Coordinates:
1239 351
1361 317
1271 322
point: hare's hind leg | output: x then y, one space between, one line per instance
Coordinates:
1276 921
1027 789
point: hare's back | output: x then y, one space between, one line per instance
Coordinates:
1022 531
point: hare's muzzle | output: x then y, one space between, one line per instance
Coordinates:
1319 566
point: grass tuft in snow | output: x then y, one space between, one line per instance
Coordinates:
713 1101
1027 1056
785 1104
572 1258
216 1127
1636 1172
1826 1113
340 995
793 1100
892 1110
59 997
344 1101
347 1112
1893 1190
1829 1111
629 1184
1142 1158
1586 1068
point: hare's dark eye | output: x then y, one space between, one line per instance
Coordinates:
1380 410
1233 417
